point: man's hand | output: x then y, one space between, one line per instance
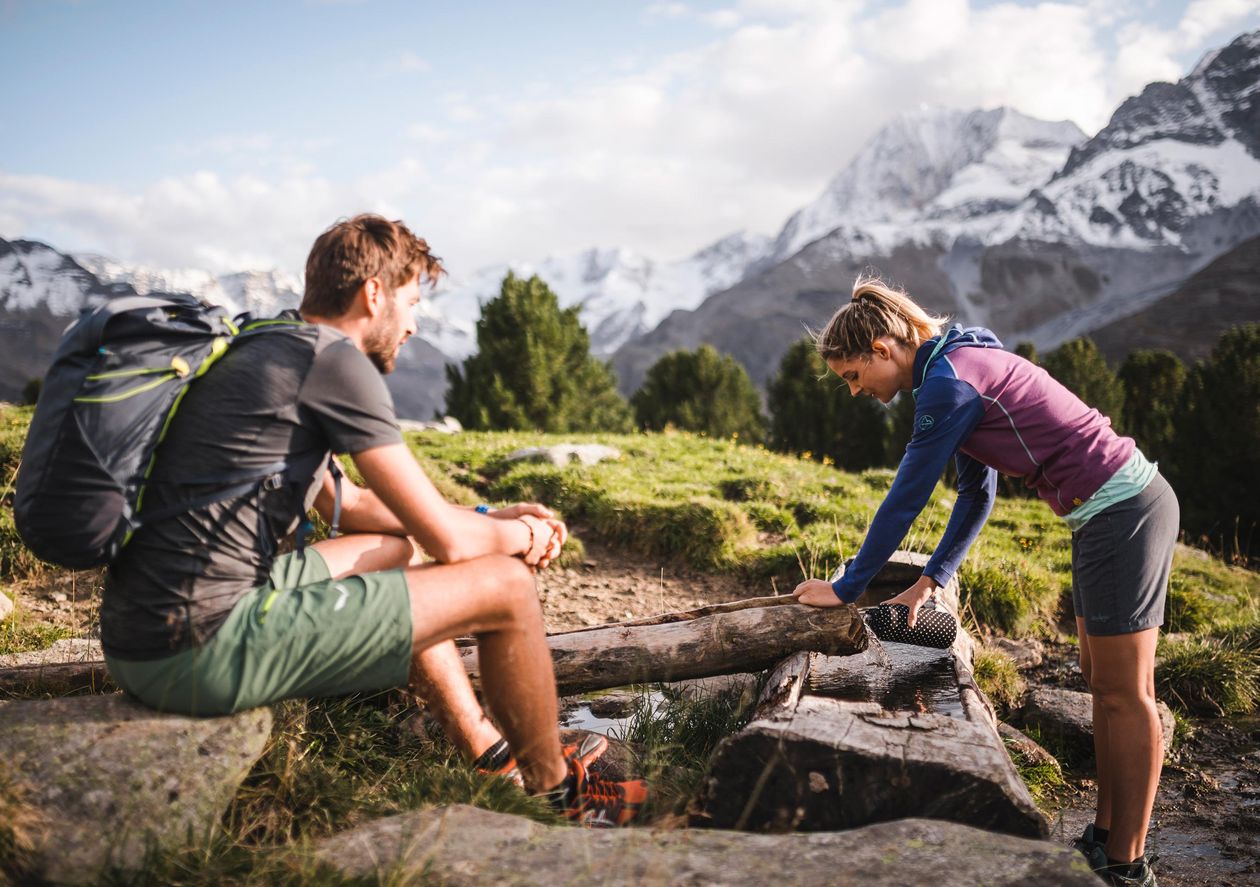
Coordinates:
559 532
914 597
541 541
816 593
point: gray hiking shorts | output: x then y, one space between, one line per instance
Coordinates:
1121 559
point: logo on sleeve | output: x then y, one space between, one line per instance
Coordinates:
924 423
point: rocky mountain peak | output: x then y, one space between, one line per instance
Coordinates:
936 162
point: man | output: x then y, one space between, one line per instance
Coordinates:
201 616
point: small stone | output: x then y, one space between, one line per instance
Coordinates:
59 596
1027 653
6 606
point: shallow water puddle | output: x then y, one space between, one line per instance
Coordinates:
921 679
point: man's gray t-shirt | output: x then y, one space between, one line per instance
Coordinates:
291 394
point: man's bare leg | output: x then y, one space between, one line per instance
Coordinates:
439 680
494 599
437 676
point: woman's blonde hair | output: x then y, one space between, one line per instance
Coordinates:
875 310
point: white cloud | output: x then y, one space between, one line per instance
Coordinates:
662 156
410 63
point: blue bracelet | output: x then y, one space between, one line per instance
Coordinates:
482 509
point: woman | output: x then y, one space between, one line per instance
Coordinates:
994 411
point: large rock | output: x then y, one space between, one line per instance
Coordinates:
1068 715
463 845
107 775
62 651
566 454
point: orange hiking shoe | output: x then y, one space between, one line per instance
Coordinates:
594 802
498 760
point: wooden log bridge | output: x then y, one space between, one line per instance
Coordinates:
842 742
744 636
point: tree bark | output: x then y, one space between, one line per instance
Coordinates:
842 742
733 639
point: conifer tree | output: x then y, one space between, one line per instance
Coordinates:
1216 447
1027 350
1080 367
812 411
1152 388
533 369
700 390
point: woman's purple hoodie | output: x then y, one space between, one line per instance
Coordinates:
988 409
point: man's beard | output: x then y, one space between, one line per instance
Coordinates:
381 342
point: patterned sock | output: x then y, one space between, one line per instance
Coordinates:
494 758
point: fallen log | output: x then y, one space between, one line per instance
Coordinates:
57 679
730 640
842 742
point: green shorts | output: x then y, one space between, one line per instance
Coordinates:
301 634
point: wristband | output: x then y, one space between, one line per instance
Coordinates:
529 527
482 509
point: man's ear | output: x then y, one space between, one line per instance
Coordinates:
372 295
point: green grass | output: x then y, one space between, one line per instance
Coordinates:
997 676
676 738
1209 676
720 506
22 633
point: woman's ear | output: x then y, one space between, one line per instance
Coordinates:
880 349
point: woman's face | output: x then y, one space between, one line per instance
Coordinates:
881 372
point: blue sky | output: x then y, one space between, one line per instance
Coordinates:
226 135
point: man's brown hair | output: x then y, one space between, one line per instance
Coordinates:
353 250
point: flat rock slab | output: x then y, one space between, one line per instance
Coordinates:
107 775
1069 716
832 764
566 454
64 650
467 846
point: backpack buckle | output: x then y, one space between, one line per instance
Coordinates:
273 482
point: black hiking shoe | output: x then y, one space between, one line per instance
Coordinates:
1086 843
1140 873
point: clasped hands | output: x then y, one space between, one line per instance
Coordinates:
547 532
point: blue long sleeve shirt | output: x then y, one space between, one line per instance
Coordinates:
947 411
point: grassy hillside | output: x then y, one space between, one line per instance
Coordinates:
723 506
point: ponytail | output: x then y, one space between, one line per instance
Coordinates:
876 309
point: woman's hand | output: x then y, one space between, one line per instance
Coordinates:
816 593
914 597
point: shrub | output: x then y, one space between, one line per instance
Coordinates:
1209 677
533 369
701 391
1004 597
999 678
1187 609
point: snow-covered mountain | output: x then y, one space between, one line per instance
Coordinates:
262 293
621 293
934 203
934 170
